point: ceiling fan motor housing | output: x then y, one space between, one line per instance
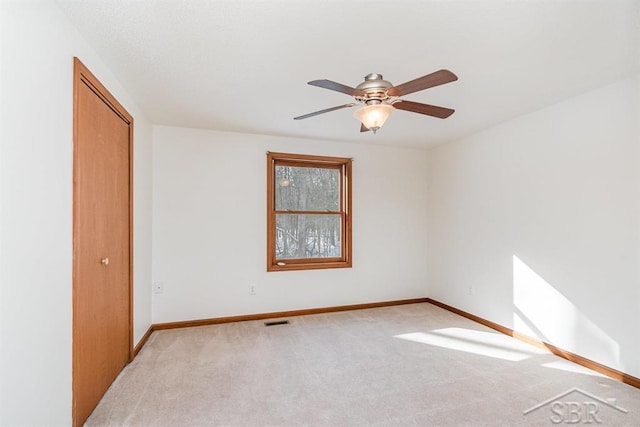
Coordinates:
375 89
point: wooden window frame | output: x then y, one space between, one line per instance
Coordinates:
342 164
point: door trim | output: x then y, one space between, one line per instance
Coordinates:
82 75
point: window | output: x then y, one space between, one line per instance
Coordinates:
308 212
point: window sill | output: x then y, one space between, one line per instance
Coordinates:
309 266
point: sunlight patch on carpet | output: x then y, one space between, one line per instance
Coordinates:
565 365
477 342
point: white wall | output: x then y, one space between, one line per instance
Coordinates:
535 224
209 227
38 46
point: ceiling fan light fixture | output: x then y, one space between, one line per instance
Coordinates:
373 116
379 98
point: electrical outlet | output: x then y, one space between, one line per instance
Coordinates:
158 287
252 289
472 291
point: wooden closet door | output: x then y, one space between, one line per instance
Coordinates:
102 242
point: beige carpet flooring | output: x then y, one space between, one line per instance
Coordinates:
411 365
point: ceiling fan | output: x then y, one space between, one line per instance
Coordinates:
379 97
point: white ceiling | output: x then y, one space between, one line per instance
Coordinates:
242 66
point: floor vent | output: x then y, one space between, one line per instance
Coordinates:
276 322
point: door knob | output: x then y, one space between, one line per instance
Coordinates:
105 261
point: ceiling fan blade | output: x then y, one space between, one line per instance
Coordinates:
429 110
326 110
338 87
425 82
363 128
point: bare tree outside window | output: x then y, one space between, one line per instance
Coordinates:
309 212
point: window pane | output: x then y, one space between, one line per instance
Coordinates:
307 189
308 236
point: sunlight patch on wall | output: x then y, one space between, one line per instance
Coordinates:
542 312
477 342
